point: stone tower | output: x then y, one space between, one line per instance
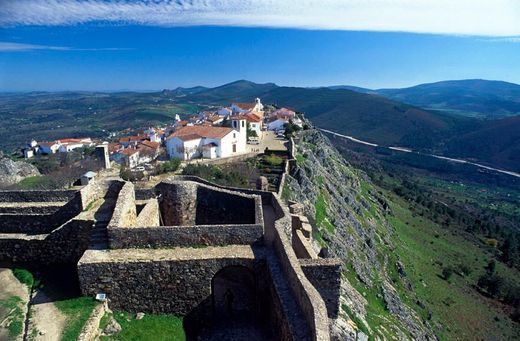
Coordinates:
102 154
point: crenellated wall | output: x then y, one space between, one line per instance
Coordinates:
325 276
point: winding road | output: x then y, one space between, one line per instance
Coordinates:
407 150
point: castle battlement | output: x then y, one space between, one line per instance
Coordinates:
210 253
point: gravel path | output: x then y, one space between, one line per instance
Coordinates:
11 287
47 322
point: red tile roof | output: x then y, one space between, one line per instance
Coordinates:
113 147
71 140
245 106
213 118
129 151
48 144
188 137
149 144
132 138
250 117
193 132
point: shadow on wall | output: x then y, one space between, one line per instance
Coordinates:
236 308
188 204
219 208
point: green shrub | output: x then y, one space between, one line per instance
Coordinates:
170 166
447 272
24 276
273 160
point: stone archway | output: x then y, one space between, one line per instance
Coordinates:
233 291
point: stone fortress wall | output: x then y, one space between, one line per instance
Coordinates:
171 248
281 238
196 214
32 232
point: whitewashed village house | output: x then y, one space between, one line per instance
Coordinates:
130 157
68 145
241 108
207 141
63 145
280 117
277 124
252 121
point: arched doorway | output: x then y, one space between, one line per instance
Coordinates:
235 313
233 291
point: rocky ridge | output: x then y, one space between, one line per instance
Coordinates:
12 172
348 216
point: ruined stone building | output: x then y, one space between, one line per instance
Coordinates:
219 257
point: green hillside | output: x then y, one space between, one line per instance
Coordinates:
471 97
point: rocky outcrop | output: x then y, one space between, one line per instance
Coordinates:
12 172
348 216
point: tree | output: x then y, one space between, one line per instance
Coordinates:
169 166
250 132
491 266
447 272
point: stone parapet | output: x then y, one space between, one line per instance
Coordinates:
173 281
325 276
64 245
174 236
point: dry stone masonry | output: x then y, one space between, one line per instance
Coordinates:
187 247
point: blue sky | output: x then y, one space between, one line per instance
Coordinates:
74 51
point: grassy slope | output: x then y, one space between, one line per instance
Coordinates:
11 311
78 311
149 328
458 310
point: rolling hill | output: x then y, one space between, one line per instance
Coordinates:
471 97
366 116
370 117
496 141
377 119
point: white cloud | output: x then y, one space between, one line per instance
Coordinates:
18 47
14 47
465 17
505 40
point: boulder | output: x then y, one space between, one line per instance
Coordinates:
12 172
112 328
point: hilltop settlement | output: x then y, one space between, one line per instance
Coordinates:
227 256
219 133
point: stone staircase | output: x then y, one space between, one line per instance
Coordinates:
297 323
99 236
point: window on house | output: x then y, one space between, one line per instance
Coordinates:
243 123
234 135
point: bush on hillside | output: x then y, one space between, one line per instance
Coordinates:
447 272
216 174
273 160
169 166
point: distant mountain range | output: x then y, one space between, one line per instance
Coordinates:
470 97
364 114
372 117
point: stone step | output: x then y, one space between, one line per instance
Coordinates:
297 321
